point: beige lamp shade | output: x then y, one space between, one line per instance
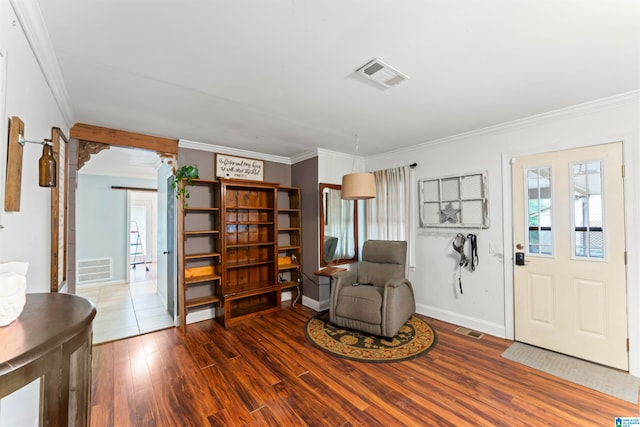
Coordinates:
358 186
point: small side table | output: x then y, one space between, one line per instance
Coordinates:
329 272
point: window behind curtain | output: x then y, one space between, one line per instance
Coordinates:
388 215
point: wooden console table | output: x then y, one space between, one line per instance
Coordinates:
51 340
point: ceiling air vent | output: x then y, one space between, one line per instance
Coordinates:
381 73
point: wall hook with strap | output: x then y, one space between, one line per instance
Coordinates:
473 239
458 246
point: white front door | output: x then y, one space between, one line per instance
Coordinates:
569 277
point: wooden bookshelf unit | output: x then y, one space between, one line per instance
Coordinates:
240 248
290 240
199 270
250 277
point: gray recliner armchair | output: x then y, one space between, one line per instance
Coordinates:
379 298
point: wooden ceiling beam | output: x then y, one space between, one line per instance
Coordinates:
91 133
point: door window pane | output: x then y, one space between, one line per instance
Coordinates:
587 207
540 237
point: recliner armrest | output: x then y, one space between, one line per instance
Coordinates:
394 283
342 279
345 278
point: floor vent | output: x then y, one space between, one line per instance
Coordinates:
469 332
94 270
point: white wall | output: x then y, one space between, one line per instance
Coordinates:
487 301
143 208
26 233
332 165
101 223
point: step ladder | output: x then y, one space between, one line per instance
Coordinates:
136 251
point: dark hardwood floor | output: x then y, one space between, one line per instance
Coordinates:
264 372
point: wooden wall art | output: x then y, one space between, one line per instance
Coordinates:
59 204
13 182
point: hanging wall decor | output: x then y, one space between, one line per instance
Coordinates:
59 205
13 183
239 168
458 201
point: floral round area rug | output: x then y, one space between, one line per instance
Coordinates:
414 339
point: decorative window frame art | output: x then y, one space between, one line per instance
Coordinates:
456 201
235 167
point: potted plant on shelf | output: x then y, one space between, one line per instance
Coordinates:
189 173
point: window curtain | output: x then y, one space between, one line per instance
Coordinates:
388 216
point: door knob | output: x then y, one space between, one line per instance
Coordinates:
165 252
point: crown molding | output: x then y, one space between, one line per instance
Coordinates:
321 152
330 153
34 28
632 97
318 152
202 146
304 156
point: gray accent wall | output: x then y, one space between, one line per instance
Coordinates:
273 172
305 175
204 160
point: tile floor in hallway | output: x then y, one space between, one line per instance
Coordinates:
125 310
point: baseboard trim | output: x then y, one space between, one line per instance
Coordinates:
315 305
88 285
210 313
429 311
286 296
200 315
460 320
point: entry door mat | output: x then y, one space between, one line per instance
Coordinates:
597 377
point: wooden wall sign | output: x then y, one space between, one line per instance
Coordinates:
239 168
59 211
14 166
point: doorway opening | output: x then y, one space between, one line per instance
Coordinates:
121 194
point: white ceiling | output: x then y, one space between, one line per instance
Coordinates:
277 76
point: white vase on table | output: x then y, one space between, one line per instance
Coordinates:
13 290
